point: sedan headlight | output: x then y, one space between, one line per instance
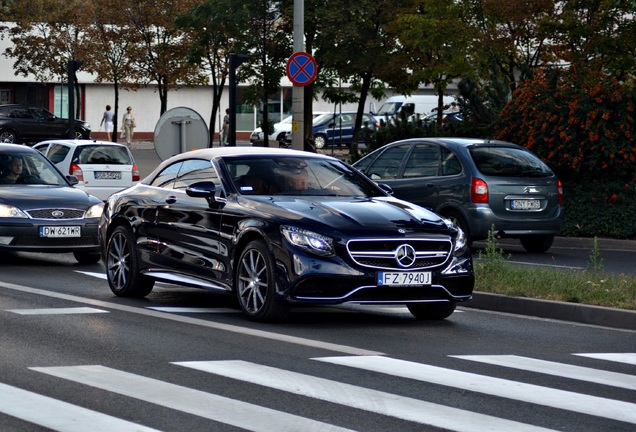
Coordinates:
309 240
7 211
95 211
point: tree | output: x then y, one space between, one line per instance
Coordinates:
356 46
45 37
109 47
161 48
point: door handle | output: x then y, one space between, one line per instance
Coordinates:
171 199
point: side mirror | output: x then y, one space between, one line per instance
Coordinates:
72 180
205 189
386 188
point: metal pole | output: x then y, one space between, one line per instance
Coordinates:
298 93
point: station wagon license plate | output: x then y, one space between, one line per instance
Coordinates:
523 204
107 175
404 278
60 232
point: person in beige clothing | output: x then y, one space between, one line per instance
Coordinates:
128 125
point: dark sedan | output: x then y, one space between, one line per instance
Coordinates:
26 124
40 210
279 227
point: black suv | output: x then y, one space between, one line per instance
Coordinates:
23 124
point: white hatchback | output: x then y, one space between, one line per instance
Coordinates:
102 167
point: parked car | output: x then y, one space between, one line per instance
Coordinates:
278 227
337 128
448 117
101 167
477 183
40 211
25 124
280 129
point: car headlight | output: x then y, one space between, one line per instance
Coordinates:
461 241
95 211
7 211
309 240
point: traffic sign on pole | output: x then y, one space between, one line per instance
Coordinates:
301 69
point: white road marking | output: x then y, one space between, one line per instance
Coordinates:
58 415
571 401
57 311
192 310
225 410
361 398
629 358
345 349
557 369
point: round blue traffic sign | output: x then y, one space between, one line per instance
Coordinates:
301 69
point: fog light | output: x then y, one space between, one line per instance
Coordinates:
6 240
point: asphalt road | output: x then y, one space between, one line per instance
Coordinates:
76 358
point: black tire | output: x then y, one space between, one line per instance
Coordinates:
320 141
537 243
87 258
461 223
431 311
7 136
122 266
255 285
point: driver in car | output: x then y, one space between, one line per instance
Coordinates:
13 171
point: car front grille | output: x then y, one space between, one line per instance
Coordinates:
382 253
56 213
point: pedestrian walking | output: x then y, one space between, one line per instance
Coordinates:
128 125
226 127
108 122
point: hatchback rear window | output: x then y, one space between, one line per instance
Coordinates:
97 154
508 162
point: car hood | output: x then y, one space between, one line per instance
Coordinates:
39 196
378 213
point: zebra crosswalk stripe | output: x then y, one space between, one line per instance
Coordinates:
58 415
218 408
571 401
361 398
629 358
557 369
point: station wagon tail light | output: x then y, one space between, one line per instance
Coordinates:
479 191
76 171
135 173
560 191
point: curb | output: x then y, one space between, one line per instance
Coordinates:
562 311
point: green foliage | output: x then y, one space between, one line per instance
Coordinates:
599 207
595 260
578 123
493 259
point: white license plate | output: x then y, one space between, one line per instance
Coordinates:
533 204
404 278
107 175
61 231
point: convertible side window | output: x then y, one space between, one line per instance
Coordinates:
197 170
165 178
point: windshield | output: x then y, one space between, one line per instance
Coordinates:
28 168
323 118
102 154
389 109
293 175
508 162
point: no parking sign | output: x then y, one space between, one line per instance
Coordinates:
301 69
